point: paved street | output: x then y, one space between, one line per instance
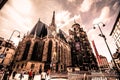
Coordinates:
72 76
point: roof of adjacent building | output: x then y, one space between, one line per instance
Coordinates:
115 23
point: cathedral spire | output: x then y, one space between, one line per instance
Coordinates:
53 19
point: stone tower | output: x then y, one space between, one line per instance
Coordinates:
81 51
43 49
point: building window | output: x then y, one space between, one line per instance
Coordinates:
32 66
7 49
18 66
49 51
25 54
35 52
38 51
41 48
22 65
1 42
7 44
0 47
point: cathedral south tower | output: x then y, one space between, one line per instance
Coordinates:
81 51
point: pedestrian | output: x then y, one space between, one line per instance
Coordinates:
43 75
48 75
14 73
6 75
30 75
21 75
33 75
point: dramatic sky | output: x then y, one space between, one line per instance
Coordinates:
22 15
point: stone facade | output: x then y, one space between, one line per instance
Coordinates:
81 51
7 52
43 49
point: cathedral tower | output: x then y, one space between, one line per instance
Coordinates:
81 51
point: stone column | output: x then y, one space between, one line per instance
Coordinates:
44 57
30 50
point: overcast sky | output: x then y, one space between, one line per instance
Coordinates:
22 15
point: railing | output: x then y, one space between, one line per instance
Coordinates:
97 76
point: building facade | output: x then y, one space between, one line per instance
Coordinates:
2 3
81 51
104 65
7 52
43 49
115 33
102 60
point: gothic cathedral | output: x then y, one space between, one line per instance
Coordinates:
44 48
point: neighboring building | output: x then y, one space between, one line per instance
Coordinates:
2 3
43 49
81 51
104 65
102 60
116 57
7 52
115 33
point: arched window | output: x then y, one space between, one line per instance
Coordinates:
25 54
35 52
49 51
41 48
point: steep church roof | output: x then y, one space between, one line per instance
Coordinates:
40 29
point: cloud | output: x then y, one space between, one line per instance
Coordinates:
116 5
71 0
104 16
64 19
86 5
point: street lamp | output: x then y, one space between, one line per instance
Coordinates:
102 35
9 41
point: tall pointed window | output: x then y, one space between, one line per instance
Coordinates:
35 52
25 54
41 48
49 51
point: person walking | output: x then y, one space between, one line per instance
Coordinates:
43 75
48 74
33 75
30 75
6 75
14 73
21 75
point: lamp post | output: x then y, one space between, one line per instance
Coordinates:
9 41
102 35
